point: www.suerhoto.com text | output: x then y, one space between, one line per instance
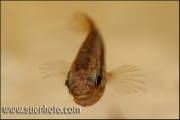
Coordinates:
41 110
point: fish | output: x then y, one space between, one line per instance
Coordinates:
87 77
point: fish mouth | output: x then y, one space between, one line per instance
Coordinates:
81 97
83 100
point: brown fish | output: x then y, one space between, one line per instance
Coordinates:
86 78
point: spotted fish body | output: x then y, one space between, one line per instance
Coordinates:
86 79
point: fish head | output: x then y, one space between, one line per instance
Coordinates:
86 87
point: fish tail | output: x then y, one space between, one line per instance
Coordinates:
82 22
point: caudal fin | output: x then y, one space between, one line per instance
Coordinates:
81 22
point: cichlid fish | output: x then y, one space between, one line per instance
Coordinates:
87 77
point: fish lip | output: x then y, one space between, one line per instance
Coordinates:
82 100
81 97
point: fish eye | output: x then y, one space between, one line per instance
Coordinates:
66 83
98 80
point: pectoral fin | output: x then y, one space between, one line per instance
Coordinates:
54 68
126 80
